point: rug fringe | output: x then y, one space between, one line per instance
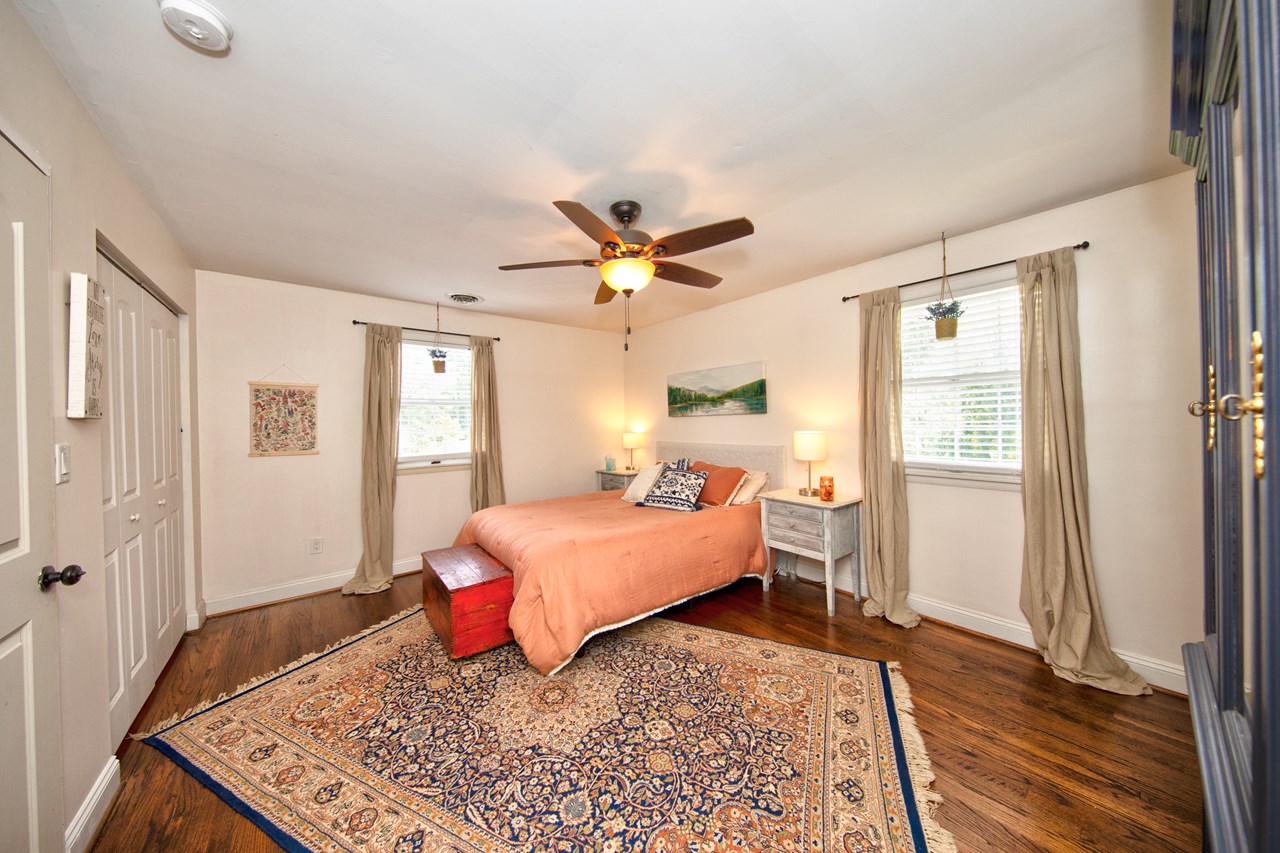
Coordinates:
261 679
922 778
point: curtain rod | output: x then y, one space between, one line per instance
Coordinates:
413 329
1081 246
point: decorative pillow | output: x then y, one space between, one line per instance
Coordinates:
680 464
676 489
641 483
753 485
722 482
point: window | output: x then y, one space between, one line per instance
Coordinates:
962 398
435 408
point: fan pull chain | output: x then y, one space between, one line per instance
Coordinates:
626 322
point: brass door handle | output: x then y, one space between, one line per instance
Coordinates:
1199 409
1234 407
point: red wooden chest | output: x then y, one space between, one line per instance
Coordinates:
466 595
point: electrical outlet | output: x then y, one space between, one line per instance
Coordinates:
317 545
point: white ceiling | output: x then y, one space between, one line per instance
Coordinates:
405 148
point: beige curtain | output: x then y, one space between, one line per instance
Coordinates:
486 445
1059 595
380 445
884 479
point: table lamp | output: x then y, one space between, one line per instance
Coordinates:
630 441
809 445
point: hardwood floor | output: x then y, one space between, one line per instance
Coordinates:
1024 760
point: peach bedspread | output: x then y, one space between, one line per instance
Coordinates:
586 563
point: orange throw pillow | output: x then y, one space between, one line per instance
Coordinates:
722 483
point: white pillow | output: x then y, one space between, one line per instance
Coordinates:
753 485
641 483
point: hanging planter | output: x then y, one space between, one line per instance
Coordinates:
945 313
945 317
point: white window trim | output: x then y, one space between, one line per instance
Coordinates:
952 473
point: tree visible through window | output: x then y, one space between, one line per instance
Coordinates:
962 398
435 408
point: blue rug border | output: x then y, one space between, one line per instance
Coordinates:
273 830
900 755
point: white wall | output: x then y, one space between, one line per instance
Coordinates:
559 400
1140 334
90 193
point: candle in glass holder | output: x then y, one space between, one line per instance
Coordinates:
826 488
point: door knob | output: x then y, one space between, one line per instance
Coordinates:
135 517
67 577
161 502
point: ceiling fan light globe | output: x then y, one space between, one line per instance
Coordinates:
627 274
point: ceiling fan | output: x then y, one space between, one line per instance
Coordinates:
630 258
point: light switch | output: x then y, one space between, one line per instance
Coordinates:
61 463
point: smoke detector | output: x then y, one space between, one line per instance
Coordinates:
465 298
197 23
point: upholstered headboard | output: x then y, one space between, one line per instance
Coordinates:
769 458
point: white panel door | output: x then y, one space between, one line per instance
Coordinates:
30 742
126 516
164 482
142 493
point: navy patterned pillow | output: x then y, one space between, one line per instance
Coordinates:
680 464
676 489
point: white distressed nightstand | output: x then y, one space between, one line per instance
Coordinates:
810 527
607 480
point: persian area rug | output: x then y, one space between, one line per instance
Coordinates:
659 737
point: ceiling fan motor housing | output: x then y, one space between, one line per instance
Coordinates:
626 213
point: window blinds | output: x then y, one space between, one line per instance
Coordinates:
962 398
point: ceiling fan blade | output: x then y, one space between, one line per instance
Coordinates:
540 264
605 294
591 225
682 274
683 242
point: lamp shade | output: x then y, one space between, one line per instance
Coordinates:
809 445
624 274
632 440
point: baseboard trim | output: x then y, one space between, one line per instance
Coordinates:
196 618
80 832
295 589
1160 673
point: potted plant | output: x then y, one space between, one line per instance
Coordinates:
946 312
944 316
437 359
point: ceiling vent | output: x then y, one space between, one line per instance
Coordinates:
197 23
465 298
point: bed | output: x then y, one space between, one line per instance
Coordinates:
589 563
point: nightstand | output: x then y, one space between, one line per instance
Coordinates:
606 480
810 527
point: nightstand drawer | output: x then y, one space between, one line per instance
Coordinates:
614 481
779 523
789 540
788 510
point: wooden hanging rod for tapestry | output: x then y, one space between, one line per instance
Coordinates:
1081 246
412 329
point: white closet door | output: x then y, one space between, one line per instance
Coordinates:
142 493
164 481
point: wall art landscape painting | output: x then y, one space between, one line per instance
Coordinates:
734 390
